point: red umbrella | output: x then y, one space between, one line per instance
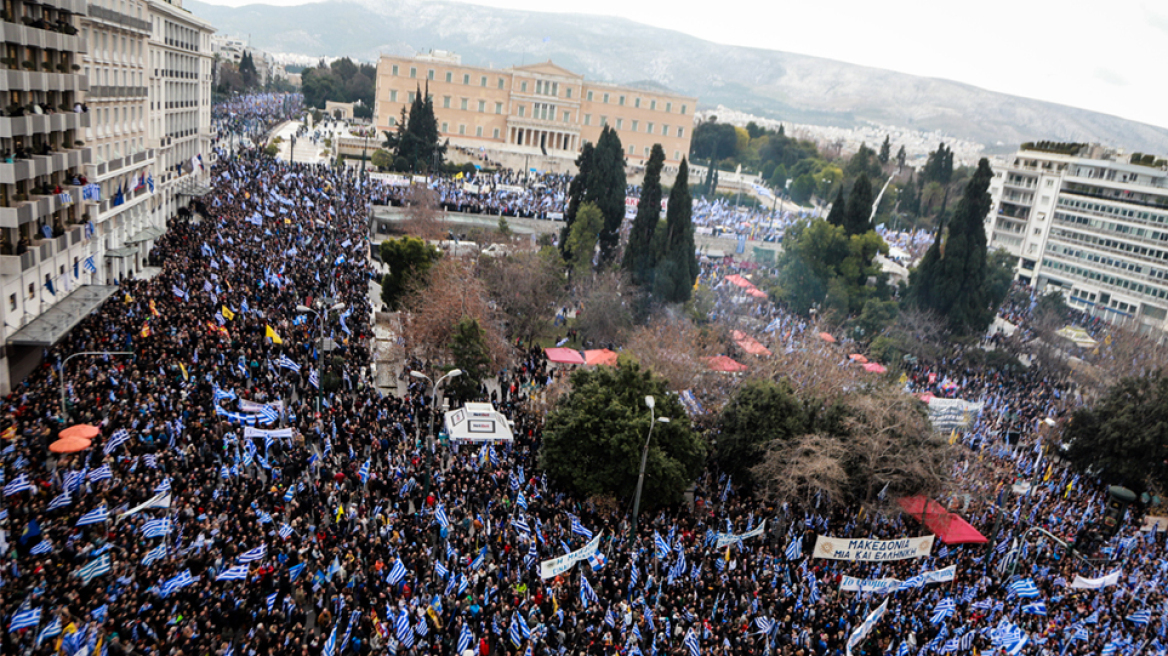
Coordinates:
84 431
70 445
856 357
874 367
827 338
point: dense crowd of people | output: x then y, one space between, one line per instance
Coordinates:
221 511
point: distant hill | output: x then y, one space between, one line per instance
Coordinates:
768 83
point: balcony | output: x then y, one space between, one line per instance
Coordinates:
26 211
35 37
108 15
71 6
14 80
23 126
109 92
115 166
14 265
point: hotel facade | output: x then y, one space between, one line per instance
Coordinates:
539 109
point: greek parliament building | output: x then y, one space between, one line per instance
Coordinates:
539 109
1090 222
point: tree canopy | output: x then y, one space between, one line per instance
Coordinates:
640 258
417 142
407 258
760 412
593 439
677 262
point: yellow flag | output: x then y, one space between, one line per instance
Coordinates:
1049 471
340 512
1070 486
183 367
129 299
271 334
903 378
953 437
227 313
459 176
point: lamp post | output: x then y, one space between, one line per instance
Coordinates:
653 419
64 410
304 309
433 410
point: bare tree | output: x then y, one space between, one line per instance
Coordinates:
807 466
609 301
526 287
435 304
673 347
424 214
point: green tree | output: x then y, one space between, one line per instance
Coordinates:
759 412
381 158
939 166
639 257
606 188
839 209
901 158
469 352
803 188
593 439
677 262
417 140
713 141
858 219
576 189
951 279
585 234
407 258
247 69
812 251
1123 438
885 151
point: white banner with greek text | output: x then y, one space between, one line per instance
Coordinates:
862 549
557 566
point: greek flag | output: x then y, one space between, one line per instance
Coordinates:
364 473
120 437
255 554
441 570
314 379
264 518
1081 634
579 529
520 524
285 532
289 493
942 610
156 528
1035 608
164 486
17 485
25 620
866 627
421 629
1024 588
397 573
60 501
154 555
691 644
100 474
661 545
405 632
1141 617
95 516
178 582
94 568
440 515
89 265
465 638
330 645
43 547
236 573
268 414
794 549
271 600
51 630
587 594
151 461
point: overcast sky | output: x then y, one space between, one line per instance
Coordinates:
1105 56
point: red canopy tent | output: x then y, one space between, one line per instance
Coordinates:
874 367
725 364
564 355
600 356
736 279
950 527
749 344
827 338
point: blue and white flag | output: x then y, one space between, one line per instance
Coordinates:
1142 617
1035 608
465 638
102 473
866 627
60 501
120 437
236 573
177 582
692 647
579 529
285 531
156 528
942 610
43 547
405 632
51 630
255 554
97 567
794 549
154 555
285 363
1024 588
25 620
397 573
18 485
95 516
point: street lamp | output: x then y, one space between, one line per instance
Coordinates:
64 411
304 309
652 403
433 410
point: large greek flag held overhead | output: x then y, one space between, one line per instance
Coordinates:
864 629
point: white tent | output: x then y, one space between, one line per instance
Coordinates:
478 422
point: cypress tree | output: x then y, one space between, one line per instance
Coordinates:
639 260
885 151
576 190
858 218
951 279
838 209
677 267
606 188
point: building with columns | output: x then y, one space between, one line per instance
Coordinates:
538 109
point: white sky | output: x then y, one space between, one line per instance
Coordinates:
1105 56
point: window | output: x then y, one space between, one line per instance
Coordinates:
646 151
603 120
495 134
413 96
498 108
620 124
632 149
589 96
522 110
393 95
392 121
653 105
523 86
635 125
413 71
649 128
445 127
567 117
430 74
482 106
621 101
567 92
637 103
483 81
668 107
683 108
462 129
449 76
677 154
680 133
12 302
665 130
395 69
500 83
463 104
445 102
479 131
587 119
606 98
466 79
31 290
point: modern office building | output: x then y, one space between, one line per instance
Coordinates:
1090 222
538 109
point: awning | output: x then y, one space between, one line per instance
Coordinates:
57 321
600 356
725 364
950 527
195 191
564 356
146 235
121 252
477 422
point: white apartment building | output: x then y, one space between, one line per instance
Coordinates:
1088 222
179 75
117 33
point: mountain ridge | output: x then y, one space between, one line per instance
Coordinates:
768 83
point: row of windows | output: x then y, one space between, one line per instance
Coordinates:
1114 281
1104 260
1138 215
620 100
1112 244
635 126
1118 228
